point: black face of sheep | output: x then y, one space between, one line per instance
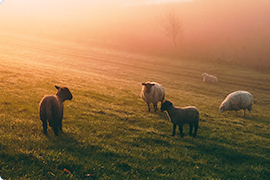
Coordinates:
165 105
180 116
64 93
51 109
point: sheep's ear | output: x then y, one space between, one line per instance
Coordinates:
143 84
57 87
163 102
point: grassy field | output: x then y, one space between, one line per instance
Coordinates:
108 132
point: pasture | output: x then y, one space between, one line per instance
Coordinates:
108 132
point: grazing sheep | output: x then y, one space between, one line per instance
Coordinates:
51 109
209 78
180 116
237 100
152 92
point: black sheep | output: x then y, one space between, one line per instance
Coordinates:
180 116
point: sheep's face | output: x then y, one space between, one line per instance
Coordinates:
148 86
64 93
221 109
165 105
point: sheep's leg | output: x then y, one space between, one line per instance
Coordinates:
55 129
148 107
44 127
181 130
60 125
190 129
155 107
174 127
250 113
249 110
195 131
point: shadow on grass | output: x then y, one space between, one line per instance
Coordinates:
230 162
83 159
20 165
62 157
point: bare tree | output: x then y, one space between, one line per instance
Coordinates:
171 25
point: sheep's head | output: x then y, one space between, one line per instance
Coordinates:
148 86
63 93
165 105
204 74
221 109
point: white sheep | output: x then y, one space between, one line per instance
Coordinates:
152 92
180 116
209 78
237 100
51 109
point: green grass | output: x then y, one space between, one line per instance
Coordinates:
108 133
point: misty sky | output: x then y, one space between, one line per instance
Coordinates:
233 27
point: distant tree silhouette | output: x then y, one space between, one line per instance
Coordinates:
171 25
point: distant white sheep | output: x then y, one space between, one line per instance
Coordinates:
237 100
180 116
209 78
152 92
51 109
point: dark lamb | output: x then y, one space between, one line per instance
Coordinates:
51 109
180 116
